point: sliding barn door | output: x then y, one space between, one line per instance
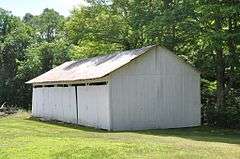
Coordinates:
56 103
93 106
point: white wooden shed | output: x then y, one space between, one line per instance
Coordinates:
146 88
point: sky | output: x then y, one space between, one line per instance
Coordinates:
35 7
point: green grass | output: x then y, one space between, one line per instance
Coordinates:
22 137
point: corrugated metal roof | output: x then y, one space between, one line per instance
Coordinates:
91 68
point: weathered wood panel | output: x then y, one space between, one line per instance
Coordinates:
56 103
93 106
155 90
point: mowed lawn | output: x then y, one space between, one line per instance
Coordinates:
22 137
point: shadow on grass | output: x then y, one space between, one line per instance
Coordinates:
202 133
67 125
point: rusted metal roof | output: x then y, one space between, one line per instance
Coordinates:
91 68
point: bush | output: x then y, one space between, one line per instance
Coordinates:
226 117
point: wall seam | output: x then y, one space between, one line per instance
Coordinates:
76 95
110 103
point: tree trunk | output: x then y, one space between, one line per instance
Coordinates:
232 47
220 76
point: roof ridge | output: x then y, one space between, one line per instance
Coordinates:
113 53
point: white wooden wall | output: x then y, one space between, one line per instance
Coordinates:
93 106
56 103
59 103
155 91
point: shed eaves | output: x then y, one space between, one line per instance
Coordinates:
91 68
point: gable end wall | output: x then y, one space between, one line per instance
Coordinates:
156 90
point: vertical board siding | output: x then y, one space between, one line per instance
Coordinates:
155 91
56 103
93 106
59 103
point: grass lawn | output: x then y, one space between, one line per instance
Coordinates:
24 138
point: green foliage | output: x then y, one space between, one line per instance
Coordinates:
96 25
88 49
48 25
15 38
227 116
28 48
47 55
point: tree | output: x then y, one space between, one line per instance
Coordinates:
41 57
94 27
15 37
48 28
218 40
48 25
